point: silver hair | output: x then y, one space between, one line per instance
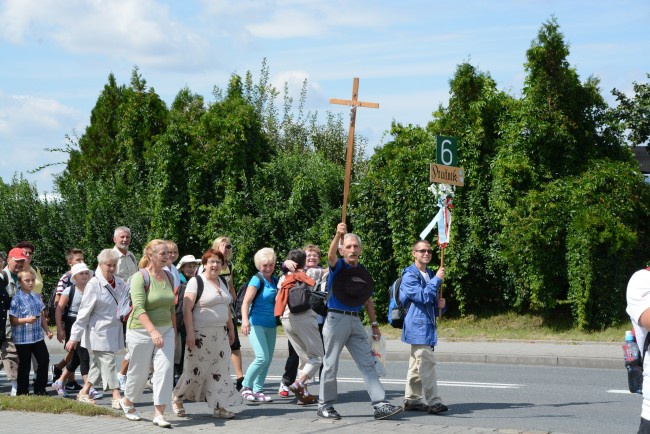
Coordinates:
264 255
121 229
107 255
348 235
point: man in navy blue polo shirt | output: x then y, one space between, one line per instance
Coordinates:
343 326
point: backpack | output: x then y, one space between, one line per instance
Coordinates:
51 303
4 303
396 312
241 292
125 305
299 299
180 323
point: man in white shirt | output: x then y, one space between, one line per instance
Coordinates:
638 307
127 266
126 263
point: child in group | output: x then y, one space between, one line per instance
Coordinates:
28 326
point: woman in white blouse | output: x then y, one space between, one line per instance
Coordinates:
98 327
208 322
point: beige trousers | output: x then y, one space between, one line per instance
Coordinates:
421 382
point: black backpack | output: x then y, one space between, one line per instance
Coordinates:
241 292
180 323
299 298
51 303
5 300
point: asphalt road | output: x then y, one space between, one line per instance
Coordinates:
526 398
506 397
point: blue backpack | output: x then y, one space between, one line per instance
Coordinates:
396 312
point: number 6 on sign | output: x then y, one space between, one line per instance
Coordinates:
447 151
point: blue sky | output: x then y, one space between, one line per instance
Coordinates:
56 55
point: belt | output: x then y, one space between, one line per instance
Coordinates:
345 312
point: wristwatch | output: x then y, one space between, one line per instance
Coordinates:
374 324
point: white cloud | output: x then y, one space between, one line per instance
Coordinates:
285 19
26 116
141 31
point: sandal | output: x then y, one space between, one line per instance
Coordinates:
115 404
222 413
129 411
85 399
178 409
307 399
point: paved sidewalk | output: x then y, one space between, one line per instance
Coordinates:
27 423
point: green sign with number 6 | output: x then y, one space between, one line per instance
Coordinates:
447 150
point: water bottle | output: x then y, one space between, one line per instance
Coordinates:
634 370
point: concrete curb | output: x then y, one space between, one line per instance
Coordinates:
538 353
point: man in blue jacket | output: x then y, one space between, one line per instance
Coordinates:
419 293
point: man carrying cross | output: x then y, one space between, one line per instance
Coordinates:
351 289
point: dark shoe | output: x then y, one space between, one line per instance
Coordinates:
415 406
328 413
438 408
238 384
386 410
56 373
72 386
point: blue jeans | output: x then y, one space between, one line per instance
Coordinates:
262 340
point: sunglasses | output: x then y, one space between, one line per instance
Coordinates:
228 246
423 251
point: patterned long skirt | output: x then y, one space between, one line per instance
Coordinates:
206 371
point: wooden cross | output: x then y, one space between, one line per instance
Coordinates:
354 103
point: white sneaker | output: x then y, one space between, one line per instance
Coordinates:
284 392
122 380
14 388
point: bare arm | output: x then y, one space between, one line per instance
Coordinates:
245 306
188 306
332 253
58 316
644 319
370 308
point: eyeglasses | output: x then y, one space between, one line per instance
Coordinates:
423 251
215 262
228 246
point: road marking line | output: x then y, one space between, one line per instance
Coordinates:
621 391
401 382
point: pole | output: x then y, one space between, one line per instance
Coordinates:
442 264
348 162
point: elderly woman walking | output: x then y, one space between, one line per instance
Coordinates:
150 333
208 323
258 321
224 245
98 327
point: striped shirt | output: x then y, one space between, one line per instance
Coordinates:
24 305
63 283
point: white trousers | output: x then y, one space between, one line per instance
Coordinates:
142 353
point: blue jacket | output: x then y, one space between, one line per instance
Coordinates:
420 322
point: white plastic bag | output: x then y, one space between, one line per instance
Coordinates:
378 352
